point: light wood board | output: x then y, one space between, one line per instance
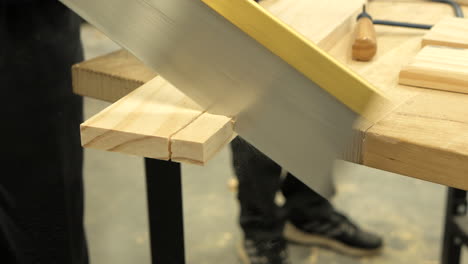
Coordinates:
426 138
158 121
438 68
450 32
110 77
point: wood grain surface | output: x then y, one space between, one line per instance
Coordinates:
425 137
158 121
110 77
450 32
440 68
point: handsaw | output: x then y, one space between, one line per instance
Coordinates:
290 99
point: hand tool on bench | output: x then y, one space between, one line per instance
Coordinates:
365 42
364 46
290 99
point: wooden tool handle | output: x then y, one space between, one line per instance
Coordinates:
365 43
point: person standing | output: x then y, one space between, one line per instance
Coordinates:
41 189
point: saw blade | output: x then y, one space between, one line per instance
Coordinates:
277 109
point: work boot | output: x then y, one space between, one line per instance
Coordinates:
263 251
335 232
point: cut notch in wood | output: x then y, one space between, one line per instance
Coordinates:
200 140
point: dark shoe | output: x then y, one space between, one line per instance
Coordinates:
263 252
336 232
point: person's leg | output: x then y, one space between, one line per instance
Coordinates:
260 217
10 250
40 42
259 181
46 191
312 220
302 203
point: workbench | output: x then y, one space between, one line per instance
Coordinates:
424 136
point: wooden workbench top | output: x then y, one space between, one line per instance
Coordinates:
426 136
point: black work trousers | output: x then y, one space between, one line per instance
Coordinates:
259 180
41 188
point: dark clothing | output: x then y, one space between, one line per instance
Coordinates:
259 181
41 196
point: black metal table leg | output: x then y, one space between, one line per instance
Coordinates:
164 193
456 206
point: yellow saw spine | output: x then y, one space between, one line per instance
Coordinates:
299 52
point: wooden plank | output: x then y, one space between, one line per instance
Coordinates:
110 77
143 122
450 32
438 68
299 52
114 75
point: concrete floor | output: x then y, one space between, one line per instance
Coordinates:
408 213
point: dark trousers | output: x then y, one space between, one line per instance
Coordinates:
259 181
41 188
